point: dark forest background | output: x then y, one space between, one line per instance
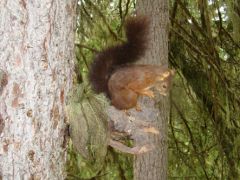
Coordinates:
204 49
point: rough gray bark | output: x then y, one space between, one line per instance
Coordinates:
36 63
153 165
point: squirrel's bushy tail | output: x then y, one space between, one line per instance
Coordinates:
109 59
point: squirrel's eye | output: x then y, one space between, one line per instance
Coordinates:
164 86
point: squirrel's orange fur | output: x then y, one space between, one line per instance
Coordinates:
113 73
127 83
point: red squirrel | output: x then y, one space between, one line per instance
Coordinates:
113 72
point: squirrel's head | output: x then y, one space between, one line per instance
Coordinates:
163 83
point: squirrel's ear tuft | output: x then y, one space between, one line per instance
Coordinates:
169 72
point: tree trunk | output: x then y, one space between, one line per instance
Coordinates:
153 165
36 65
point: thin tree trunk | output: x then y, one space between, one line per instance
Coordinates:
36 65
153 165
